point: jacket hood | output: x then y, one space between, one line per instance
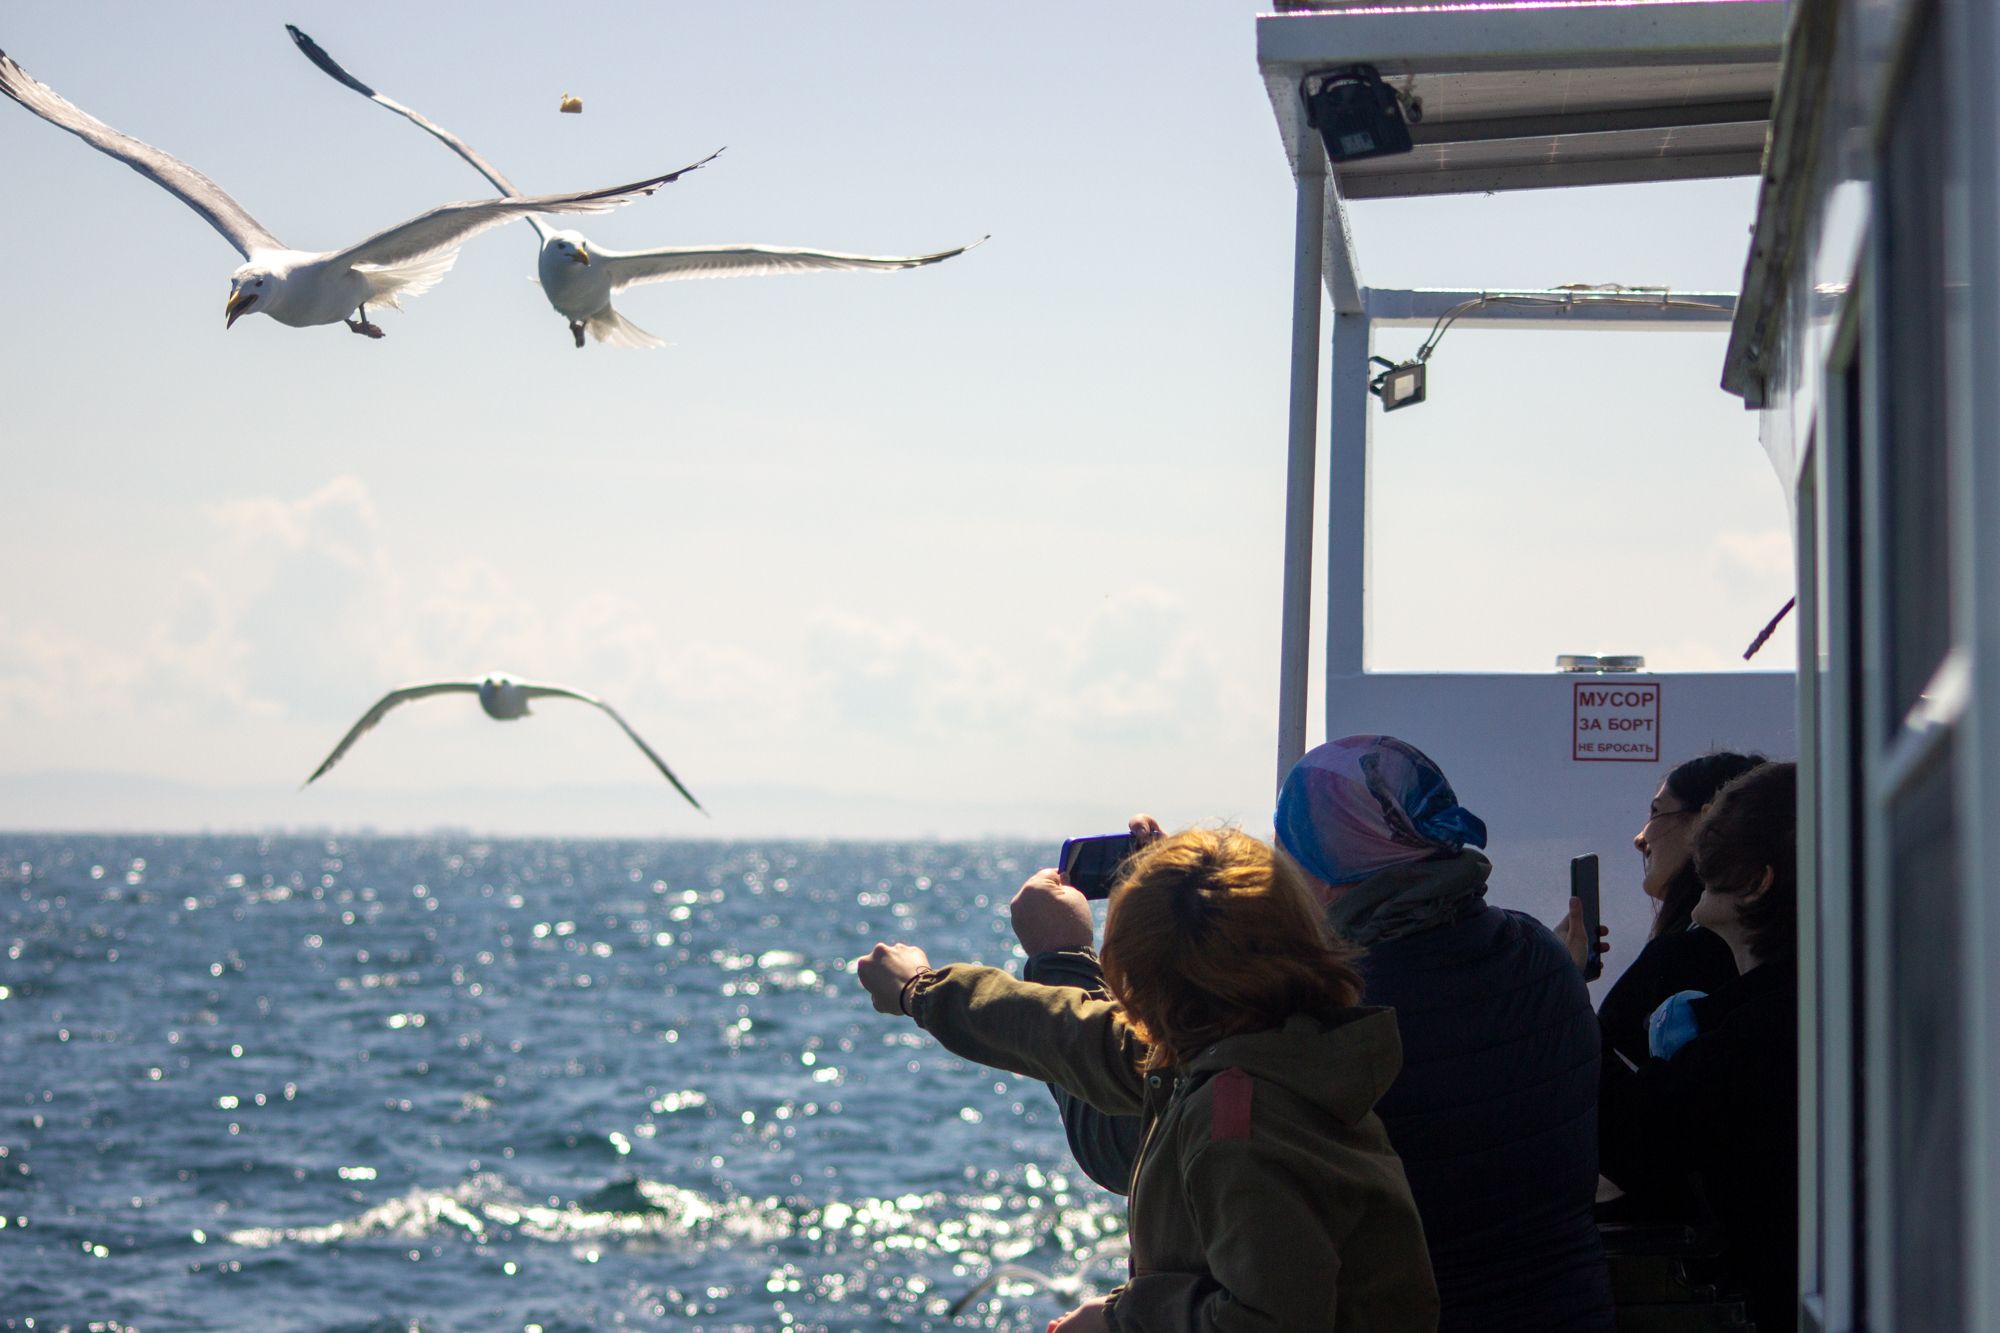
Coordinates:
1342 1061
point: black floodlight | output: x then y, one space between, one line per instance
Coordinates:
1356 113
1399 385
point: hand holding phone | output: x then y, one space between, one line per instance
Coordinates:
1091 865
1583 885
1049 915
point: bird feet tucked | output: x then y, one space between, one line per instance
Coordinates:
364 326
576 331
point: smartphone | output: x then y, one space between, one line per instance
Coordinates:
1091 865
1583 884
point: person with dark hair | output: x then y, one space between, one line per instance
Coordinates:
1494 1113
1716 1104
1679 954
1267 1196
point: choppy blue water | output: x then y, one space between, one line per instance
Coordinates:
445 1084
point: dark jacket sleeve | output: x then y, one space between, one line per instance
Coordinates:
1052 1033
1723 1112
1105 1146
1694 959
1654 1123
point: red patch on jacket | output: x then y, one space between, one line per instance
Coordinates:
1229 1108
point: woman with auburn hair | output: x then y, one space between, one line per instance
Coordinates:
1494 1110
1190 973
1266 1195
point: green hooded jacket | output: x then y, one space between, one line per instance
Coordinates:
1265 1195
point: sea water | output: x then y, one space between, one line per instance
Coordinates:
395 1084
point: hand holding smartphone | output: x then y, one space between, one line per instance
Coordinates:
1583 885
1091 865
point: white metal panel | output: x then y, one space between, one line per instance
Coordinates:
1504 742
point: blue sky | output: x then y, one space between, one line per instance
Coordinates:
986 547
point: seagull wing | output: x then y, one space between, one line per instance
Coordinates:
447 225
563 692
332 68
1000 1273
382 706
192 188
629 268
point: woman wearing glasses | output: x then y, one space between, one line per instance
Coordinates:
1679 955
1713 1116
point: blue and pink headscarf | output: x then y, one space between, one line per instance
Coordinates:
1361 804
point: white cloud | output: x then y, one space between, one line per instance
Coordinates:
1142 675
310 596
1765 555
297 612
46 672
892 678
1150 666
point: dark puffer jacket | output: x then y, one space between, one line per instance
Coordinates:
1724 1109
1494 1116
1494 1113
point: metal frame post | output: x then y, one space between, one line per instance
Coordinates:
1972 34
1349 563
1295 647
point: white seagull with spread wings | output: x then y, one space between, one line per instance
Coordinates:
504 698
300 287
579 278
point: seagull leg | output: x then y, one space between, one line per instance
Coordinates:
361 324
576 331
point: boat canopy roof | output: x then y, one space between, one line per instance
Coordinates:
1530 95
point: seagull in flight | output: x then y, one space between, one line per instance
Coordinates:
1068 1287
303 287
504 698
580 277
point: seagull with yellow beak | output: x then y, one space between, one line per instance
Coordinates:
302 287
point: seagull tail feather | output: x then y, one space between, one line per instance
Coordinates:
387 282
614 330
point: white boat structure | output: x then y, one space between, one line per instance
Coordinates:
1514 96
1867 335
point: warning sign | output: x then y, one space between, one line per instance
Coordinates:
1617 722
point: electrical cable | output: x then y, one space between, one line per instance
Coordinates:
1569 298
1659 298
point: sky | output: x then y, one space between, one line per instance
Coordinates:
990 547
